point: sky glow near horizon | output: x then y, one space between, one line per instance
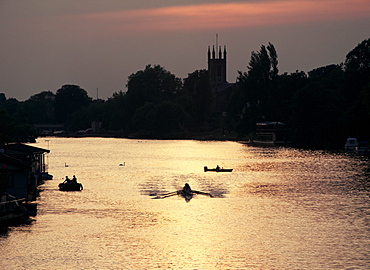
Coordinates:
231 15
98 44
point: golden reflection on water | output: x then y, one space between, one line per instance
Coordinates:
279 209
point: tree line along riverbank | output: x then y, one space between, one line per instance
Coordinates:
320 108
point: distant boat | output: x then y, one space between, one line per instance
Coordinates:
357 147
350 145
46 176
70 185
271 133
217 169
362 148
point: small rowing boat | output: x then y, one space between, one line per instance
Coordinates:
217 169
186 192
70 185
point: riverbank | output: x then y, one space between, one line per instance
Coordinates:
213 135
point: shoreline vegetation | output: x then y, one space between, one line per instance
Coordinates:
214 135
318 109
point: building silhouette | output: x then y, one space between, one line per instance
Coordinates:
220 88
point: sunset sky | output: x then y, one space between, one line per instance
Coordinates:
45 44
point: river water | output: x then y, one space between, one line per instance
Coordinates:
280 208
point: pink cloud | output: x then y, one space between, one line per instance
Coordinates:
230 15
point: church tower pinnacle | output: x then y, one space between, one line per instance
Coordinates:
217 65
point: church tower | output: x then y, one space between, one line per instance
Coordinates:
221 89
216 66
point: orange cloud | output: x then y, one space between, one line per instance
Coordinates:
231 15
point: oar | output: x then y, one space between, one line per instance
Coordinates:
173 193
202 193
166 195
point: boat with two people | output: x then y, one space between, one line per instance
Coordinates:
186 192
217 169
70 185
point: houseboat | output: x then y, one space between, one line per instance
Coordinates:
271 133
352 145
22 169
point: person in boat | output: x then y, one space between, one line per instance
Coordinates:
185 192
67 181
217 167
186 189
74 180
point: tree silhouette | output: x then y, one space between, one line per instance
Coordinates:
40 108
356 89
198 86
153 84
258 88
315 117
69 99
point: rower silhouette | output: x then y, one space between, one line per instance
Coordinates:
186 192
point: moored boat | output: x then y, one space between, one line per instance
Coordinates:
357 147
362 148
12 209
351 145
271 133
